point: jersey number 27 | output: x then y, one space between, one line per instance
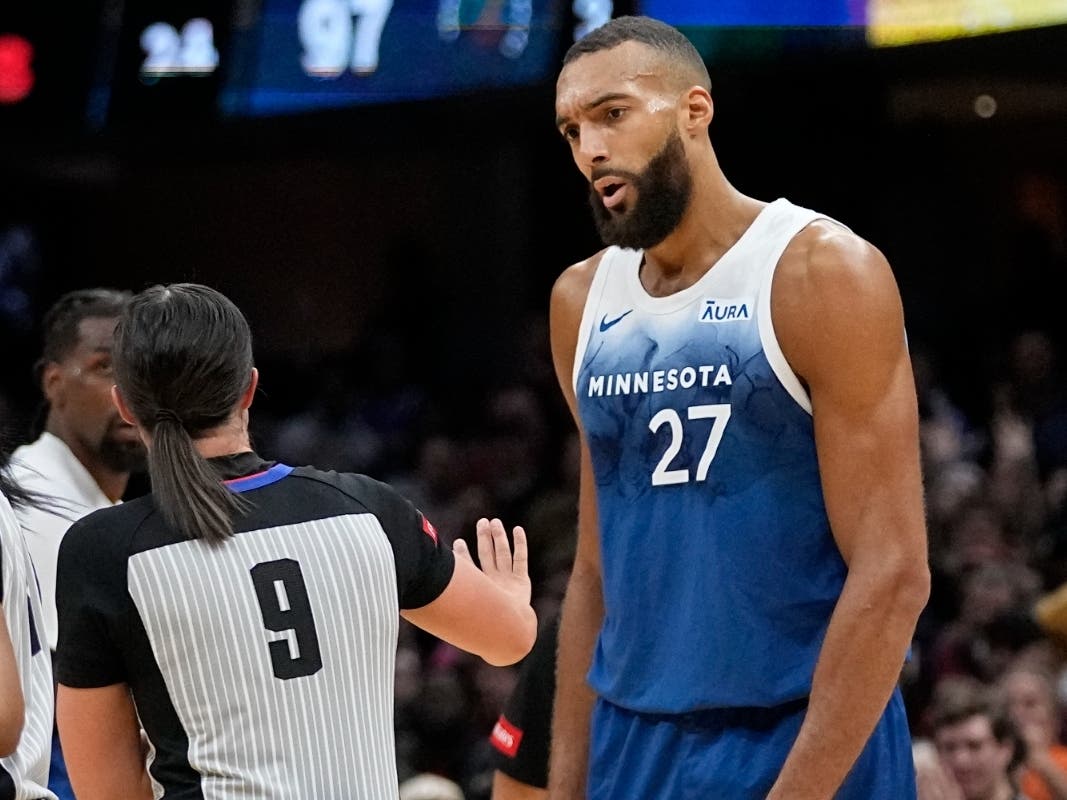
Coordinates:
719 414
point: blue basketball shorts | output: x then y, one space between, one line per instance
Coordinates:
731 754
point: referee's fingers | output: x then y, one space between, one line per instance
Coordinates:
485 546
500 545
459 548
520 560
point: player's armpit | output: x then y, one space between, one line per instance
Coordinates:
101 740
485 611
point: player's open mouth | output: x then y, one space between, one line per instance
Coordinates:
612 191
614 194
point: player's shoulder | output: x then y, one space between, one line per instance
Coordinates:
843 284
572 286
827 262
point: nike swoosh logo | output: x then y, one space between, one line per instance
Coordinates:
605 323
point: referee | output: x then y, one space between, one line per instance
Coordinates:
245 614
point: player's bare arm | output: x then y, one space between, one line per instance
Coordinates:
12 704
507 788
583 606
486 612
838 316
102 743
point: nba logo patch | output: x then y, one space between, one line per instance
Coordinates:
717 310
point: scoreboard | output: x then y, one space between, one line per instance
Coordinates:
107 64
301 55
128 61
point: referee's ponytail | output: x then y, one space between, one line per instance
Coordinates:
183 360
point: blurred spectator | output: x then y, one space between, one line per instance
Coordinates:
978 745
329 432
442 486
511 459
932 780
1031 700
979 642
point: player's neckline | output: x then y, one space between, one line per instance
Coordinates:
726 264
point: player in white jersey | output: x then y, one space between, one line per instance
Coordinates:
751 555
245 614
26 700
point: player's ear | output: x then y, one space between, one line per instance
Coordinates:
698 108
120 404
52 380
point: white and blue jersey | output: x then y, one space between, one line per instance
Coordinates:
719 569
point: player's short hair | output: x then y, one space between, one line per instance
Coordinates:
667 40
61 321
183 360
965 702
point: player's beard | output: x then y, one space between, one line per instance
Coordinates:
121 455
663 191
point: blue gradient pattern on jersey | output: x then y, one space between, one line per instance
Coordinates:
717 592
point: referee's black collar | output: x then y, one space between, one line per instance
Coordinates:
239 465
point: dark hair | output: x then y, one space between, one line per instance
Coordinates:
183 358
660 36
61 321
973 701
9 488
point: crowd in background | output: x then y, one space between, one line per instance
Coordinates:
995 469
996 493
996 504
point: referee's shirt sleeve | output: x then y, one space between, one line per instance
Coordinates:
87 655
424 564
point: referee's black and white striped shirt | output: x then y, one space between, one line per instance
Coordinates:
24 774
261 668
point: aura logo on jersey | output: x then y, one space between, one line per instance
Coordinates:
660 380
716 310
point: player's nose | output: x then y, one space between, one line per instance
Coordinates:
592 147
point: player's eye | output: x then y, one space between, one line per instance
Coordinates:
570 133
102 368
616 113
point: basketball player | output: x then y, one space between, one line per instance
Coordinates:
83 458
752 556
246 612
26 700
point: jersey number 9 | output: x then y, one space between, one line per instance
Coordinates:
286 608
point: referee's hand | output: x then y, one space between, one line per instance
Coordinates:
508 570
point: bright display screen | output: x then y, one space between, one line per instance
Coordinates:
302 55
757 13
897 22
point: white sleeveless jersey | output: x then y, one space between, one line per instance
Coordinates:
24 774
